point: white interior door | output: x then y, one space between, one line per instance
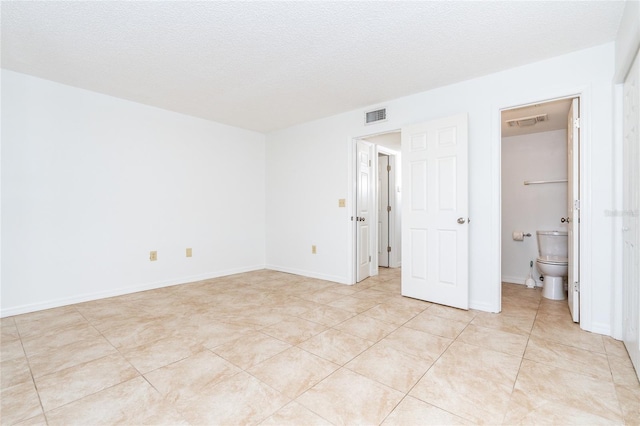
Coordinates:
384 207
630 226
573 208
363 209
435 226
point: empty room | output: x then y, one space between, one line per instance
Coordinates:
318 212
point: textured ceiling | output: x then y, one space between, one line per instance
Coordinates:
268 65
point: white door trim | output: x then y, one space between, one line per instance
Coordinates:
495 246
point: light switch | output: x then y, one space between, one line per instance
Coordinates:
342 202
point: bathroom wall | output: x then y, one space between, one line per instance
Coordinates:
538 156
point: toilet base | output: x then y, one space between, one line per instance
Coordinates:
553 288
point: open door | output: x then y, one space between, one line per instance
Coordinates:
435 230
384 208
573 208
630 219
363 209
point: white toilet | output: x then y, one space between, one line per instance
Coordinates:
553 262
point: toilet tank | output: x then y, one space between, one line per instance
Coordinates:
552 243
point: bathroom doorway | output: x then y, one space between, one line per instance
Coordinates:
538 188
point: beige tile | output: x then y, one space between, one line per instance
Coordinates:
349 398
11 349
389 366
366 327
19 402
418 343
353 304
63 336
69 355
569 358
516 322
38 420
392 313
214 334
293 371
322 296
497 340
133 334
241 399
131 402
328 315
162 352
453 313
614 347
430 323
470 382
629 398
555 395
76 382
294 414
14 371
184 380
567 333
251 349
623 372
412 411
48 321
8 330
294 330
336 346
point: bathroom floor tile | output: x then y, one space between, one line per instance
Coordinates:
412 411
251 349
431 323
19 402
294 330
336 346
294 414
497 340
366 327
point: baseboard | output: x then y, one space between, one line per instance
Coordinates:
310 274
33 307
519 280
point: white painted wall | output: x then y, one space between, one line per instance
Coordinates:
309 168
92 183
528 208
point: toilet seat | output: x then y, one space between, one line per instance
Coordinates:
553 260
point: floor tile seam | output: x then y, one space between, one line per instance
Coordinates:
558 340
360 337
555 366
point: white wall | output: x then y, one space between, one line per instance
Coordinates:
537 156
309 165
92 183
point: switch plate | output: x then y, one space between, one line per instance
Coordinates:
313 249
189 252
342 202
153 256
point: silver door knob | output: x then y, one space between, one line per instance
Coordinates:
461 220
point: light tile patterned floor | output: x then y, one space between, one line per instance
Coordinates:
276 349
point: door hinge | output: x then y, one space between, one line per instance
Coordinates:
388 208
388 168
576 286
369 258
576 204
388 249
369 163
576 123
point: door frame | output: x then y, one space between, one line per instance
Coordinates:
351 202
495 245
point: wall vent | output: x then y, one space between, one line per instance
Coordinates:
527 121
375 116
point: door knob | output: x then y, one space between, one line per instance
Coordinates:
564 219
461 220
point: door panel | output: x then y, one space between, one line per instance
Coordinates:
573 211
435 243
363 208
383 213
630 221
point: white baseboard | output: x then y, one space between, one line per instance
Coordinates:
310 274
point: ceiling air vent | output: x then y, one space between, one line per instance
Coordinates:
375 116
527 121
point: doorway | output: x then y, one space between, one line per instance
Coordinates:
377 204
540 189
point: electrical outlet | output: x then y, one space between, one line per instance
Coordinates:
342 202
153 256
189 252
313 249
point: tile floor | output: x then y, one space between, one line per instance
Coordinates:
276 349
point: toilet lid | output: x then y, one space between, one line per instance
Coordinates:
553 260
